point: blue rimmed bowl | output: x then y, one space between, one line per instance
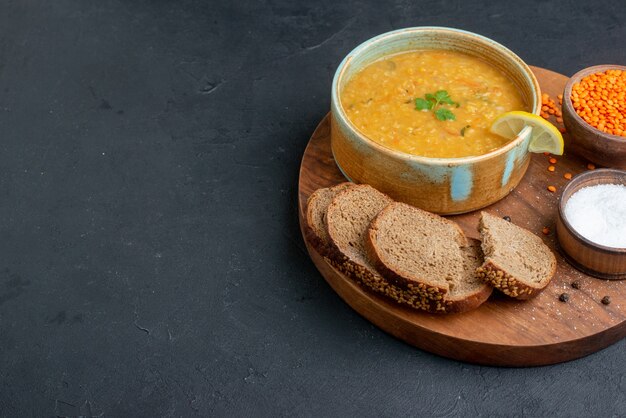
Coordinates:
441 185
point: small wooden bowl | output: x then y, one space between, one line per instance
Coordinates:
587 256
604 149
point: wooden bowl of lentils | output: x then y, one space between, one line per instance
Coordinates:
594 114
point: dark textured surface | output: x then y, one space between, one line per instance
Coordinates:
152 263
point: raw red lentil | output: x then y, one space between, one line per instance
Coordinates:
600 99
549 107
552 189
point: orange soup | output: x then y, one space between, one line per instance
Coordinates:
432 103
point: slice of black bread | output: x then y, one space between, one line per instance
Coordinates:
471 292
348 217
317 204
428 255
358 268
517 262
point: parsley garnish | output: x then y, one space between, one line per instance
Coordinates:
433 101
423 104
444 114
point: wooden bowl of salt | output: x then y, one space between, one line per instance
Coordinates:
591 223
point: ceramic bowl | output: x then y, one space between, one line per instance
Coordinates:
594 259
440 185
604 149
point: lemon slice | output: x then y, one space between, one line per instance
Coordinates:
544 136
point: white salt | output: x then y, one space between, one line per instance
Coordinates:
598 213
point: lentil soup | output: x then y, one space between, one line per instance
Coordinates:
432 103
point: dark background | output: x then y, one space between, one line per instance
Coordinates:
151 259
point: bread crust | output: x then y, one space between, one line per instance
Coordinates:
374 282
470 302
311 236
321 245
438 301
498 277
397 277
399 291
371 280
508 284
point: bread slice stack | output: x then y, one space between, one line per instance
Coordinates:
420 259
318 202
341 231
429 255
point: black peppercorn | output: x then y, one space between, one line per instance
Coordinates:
564 297
606 300
576 285
507 218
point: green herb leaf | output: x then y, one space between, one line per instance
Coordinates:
444 114
447 100
432 101
422 104
442 95
464 129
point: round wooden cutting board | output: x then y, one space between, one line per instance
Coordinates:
502 331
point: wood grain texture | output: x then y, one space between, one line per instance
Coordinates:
504 332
